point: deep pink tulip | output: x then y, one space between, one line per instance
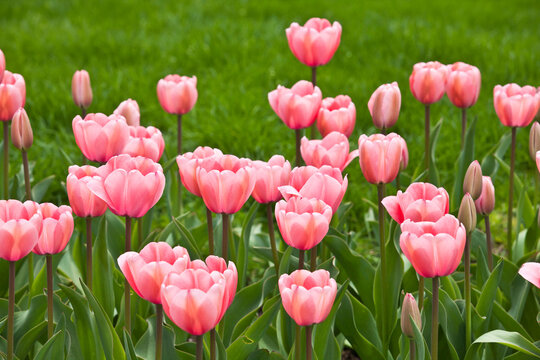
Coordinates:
516 106
420 202
81 90
225 182
336 114
307 296
463 84
215 263
188 164
332 150
428 81
433 248
83 202
129 185
486 202
530 271
21 130
99 136
20 227
303 222
384 105
325 183
194 299
130 110
177 94
298 106
146 270
12 95
57 228
145 141
269 176
2 65
380 157
315 43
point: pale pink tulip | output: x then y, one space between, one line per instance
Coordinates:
516 106
147 142
530 271
384 105
336 114
99 136
130 110
307 296
463 84
21 130
2 65
428 81
380 157
486 202
298 106
269 176
83 202
57 228
215 263
177 94
315 43
332 150
146 270
538 160
81 90
20 227
188 164
12 95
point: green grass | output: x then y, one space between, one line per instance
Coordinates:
239 52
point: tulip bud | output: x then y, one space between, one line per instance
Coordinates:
467 213
486 202
472 183
410 310
81 90
2 65
534 140
21 130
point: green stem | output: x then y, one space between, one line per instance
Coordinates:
301 259
127 293
28 189
88 222
412 349
313 130
6 160
140 226
225 239
199 345
435 320
298 346
313 262
159 331
298 134
463 126
179 151
382 247
270 219
427 152
210 227
489 244
398 185
420 293
11 310
213 344
309 346
511 194
50 318
467 261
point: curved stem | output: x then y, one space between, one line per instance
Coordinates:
210 227
427 152
511 194
313 130
213 344
489 243
199 345
50 317
435 320
420 293
11 310
382 248
159 331
6 159
301 259
225 239
298 134
270 219
467 261
127 299
88 222
309 346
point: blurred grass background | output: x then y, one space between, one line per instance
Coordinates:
239 52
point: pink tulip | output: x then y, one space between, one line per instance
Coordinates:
486 202
130 110
81 90
129 185
420 202
177 94
380 157
428 81
194 299
100 137
516 106
326 184
215 263
188 164
463 84
303 222
307 296
147 142
336 114
433 248
21 130
384 105
20 227
269 176
538 160
83 202
12 95
57 228
332 150
315 43
298 106
146 270
404 155
2 65
530 271
225 182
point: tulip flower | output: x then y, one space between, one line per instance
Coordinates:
384 105
2 65
81 90
22 138
534 139
530 271
409 314
100 137
147 142
380 157
516 107
472 183
336 114
332 150
130 110
215 263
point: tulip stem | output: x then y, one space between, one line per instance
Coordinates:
489 244
412 349
88 221
313 262
463 126
213 344
427 152
50 318
210 227
380 193
6 160
309 346
298 133
420 293
127 299
199 344
301 259
225 236
511 194
398 185
159 331
179 151
467 264
298 346
11 310
83 112
270 219
435 320
28 189
313 130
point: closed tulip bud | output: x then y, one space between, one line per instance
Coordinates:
2 65
130 110
467 213
472 183
384 105
12 95
428 81
21 130
486 202
409 311
463 84
534 140
81 90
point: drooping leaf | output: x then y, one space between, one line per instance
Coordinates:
511 339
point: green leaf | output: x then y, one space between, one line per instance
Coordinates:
191 244
103 286
466 157
146 346
128 346
510 339
420 342
489 292
243 248
53 349
490 166
40 188
434 137
26 343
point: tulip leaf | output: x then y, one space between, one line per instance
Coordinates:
26 343
420 342
53 348
128 346
27 319
489 292
512 340
103 287
40 188
433 172
191 244
490 166
146 346
466 157
243 248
